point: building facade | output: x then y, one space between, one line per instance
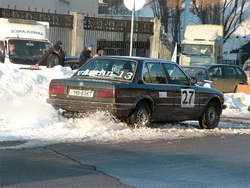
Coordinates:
88 7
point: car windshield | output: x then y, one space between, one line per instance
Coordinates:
108 69
198 73
27 51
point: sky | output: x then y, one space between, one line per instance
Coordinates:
25 115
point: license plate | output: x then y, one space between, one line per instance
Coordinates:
81 93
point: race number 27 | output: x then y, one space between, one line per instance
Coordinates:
187 98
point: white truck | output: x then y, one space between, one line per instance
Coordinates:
202 44
28 38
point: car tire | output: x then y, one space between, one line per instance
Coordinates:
211 116
141 116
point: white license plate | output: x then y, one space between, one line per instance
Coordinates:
81 93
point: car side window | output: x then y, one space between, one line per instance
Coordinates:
237 70
215 72
176 75
229 71
153 73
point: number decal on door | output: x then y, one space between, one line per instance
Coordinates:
187 98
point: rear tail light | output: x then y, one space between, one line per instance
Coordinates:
105 93
57 89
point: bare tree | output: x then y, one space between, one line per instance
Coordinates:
207 11
233 14
175 8
229 13
169 11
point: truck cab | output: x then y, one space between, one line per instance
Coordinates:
202 44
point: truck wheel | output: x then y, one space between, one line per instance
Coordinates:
211 116
140 116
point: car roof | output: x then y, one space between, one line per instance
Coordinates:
212 65
199 67
135 58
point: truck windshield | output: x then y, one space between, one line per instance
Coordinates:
198 50
27 51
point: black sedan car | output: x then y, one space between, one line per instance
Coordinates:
138 91
224 77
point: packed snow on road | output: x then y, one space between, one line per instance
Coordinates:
25 115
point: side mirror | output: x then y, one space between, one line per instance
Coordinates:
193 80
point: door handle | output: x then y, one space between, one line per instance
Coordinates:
152 90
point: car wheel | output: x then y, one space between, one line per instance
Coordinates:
211 117
140 116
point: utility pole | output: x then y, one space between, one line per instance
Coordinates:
186 15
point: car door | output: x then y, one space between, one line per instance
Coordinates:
217 76
2 51
155 80
230 79
186 96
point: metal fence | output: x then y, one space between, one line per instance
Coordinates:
114 36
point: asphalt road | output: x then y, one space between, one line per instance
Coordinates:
214 161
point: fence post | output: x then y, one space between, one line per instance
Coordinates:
154 40
160 45
77 34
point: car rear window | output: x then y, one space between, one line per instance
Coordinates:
108 69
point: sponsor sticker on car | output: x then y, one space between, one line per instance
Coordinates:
187 98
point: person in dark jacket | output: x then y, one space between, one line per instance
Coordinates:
54 58
85 54
49 51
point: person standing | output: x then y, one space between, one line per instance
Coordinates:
48 52
54 58
100 51
85 54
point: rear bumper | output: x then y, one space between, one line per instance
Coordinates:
121 110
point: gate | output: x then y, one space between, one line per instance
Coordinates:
114 36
